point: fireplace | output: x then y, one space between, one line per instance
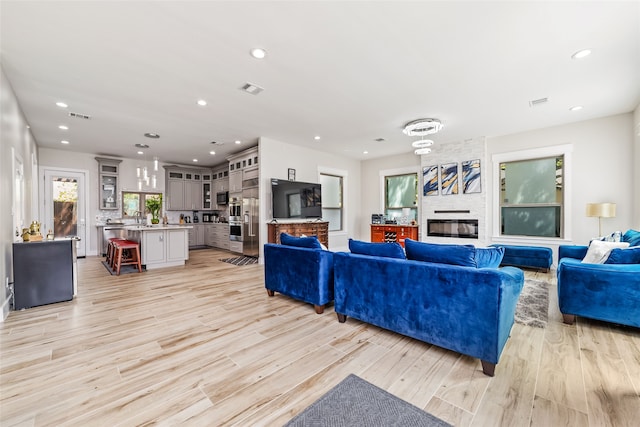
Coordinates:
460 228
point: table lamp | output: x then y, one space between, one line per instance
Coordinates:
601 210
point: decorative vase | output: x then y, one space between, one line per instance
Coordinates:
155 220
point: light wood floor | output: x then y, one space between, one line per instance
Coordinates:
204 345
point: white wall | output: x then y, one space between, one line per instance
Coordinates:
602 169
636 170
277 157
14 136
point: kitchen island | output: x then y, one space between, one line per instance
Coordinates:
161 245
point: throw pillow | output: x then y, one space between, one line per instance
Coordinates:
324 248
387 250
624 256
489 257
632 237
300 242
464 255
616 236
598 251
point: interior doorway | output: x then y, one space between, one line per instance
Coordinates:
65 206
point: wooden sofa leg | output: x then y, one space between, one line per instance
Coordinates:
342 317
568 318
270 292
489 369
319 308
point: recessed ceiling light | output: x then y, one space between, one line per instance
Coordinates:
576 108
202 102
195 160
63 127
152 135
365 152
317 138
61 104
142 145
141 152
64 142
258 53
213 153
238 142
581 54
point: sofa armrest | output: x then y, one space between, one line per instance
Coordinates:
572 251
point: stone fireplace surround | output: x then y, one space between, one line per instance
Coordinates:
456 206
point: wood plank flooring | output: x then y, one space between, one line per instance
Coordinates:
204 345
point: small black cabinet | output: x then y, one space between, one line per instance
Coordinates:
43 272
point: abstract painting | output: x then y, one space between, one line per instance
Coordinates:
449 177
471 177
430 179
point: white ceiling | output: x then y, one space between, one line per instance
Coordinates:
347 71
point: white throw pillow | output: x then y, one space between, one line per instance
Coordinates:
599 251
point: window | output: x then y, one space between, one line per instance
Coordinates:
332 200
532 197
134 203
401 196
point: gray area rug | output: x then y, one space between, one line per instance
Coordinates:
356 402
533 305
241 260
125 269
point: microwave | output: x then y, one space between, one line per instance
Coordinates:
222 198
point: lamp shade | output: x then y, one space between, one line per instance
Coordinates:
602 210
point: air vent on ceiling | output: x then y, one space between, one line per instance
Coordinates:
79 116
217 143
537 102
251 88
379 140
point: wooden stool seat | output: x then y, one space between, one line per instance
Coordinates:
130 257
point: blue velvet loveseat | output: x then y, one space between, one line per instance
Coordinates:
466 309
300 269
608 291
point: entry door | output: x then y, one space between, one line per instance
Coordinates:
64 204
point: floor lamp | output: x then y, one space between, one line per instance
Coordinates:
601 210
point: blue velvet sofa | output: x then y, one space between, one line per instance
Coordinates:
466 309
300 269
608 291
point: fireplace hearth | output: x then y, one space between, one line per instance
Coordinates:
460 228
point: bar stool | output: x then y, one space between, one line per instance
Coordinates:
132 257
111 251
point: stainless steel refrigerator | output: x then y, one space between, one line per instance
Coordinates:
250 229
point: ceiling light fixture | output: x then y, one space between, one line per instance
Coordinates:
61 104
365 152
258 53
422 143
195 160
64 142
317 138
581 54
202 102
141 145
421 151
141 152
63 127
213 153
422 127
238 141
576 108
152 135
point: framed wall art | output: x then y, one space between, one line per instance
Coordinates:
430 179
471 177
449 178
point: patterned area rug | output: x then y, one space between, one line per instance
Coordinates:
533 305
241 260
356 402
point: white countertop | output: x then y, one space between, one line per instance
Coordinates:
156 227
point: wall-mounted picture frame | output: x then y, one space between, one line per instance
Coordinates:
291 174
471 177
449 178
430 179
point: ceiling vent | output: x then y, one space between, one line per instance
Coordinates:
251 88
537 102
379 140
79 116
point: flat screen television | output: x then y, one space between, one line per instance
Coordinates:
295 199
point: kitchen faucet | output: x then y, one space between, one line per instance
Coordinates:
138 217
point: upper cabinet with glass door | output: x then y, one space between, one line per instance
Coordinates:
108 177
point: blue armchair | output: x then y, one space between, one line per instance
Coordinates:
302 273
608 292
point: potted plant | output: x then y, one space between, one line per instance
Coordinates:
153 206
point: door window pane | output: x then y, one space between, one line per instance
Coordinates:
332 200
65 207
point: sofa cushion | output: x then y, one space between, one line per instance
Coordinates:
598 251
624 256
387 250
464 255
300 242
489 257
632 237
